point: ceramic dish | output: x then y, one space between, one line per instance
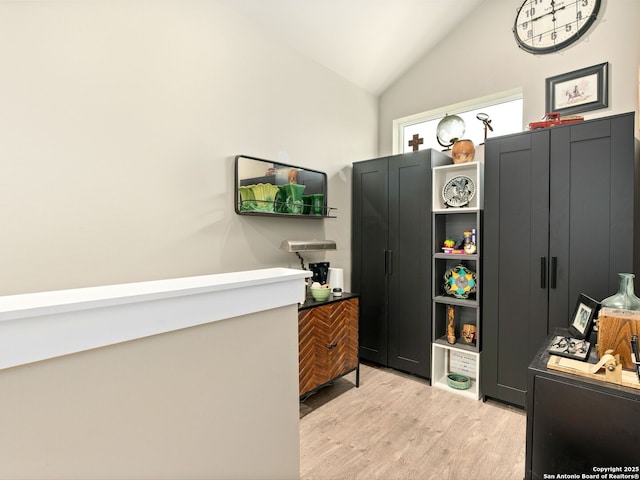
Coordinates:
459 382
460 281
320 294
458 191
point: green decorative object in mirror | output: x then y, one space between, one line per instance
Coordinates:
289 198
247 199
317 204
264 194
307 200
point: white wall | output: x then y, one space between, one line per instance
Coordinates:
481 58
119 122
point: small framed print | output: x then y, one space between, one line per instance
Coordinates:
575 348
582 320
578 91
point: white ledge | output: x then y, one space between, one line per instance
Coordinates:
39 326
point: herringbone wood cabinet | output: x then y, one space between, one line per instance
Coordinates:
327 342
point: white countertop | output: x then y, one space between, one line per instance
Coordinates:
37 326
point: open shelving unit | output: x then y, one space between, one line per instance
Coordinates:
450 222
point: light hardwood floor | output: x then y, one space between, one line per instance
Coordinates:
398 427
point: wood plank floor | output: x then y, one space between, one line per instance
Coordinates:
397 427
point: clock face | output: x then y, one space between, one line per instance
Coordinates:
545 26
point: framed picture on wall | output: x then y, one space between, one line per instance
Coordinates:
578 91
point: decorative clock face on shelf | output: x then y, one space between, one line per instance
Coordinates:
545 26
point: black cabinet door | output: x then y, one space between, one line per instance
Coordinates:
370 212
515 261
591 211
391 255
409 262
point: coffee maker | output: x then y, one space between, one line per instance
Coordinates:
320 271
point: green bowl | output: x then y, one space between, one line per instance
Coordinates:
320 294
457 381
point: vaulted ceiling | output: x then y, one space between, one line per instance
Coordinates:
369 42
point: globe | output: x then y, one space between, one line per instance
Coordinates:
449 129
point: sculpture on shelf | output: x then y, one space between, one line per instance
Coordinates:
451 322
469 333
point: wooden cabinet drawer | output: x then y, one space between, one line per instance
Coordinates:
327 342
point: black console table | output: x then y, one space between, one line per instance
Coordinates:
578 426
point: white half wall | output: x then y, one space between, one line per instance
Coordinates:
188 378
215 401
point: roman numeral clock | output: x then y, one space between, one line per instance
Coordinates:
546 26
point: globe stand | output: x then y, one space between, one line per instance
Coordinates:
449 130
447 147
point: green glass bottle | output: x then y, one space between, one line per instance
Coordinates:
625 298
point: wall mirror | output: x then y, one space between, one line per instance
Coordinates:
264 187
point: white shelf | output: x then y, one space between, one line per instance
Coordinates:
441 366
451 222
444 173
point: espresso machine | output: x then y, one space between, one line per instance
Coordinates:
320 271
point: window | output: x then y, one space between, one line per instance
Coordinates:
504 111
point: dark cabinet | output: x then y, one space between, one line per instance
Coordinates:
576 425
558 221
391 258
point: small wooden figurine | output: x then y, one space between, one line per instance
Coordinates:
451 329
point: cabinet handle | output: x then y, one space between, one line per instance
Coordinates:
554 271
543 272
388 268
332 346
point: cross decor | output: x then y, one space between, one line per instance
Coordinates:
415 142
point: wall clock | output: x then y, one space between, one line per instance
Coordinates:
545 26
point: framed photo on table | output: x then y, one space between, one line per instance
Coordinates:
577 345
578 91
582 320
